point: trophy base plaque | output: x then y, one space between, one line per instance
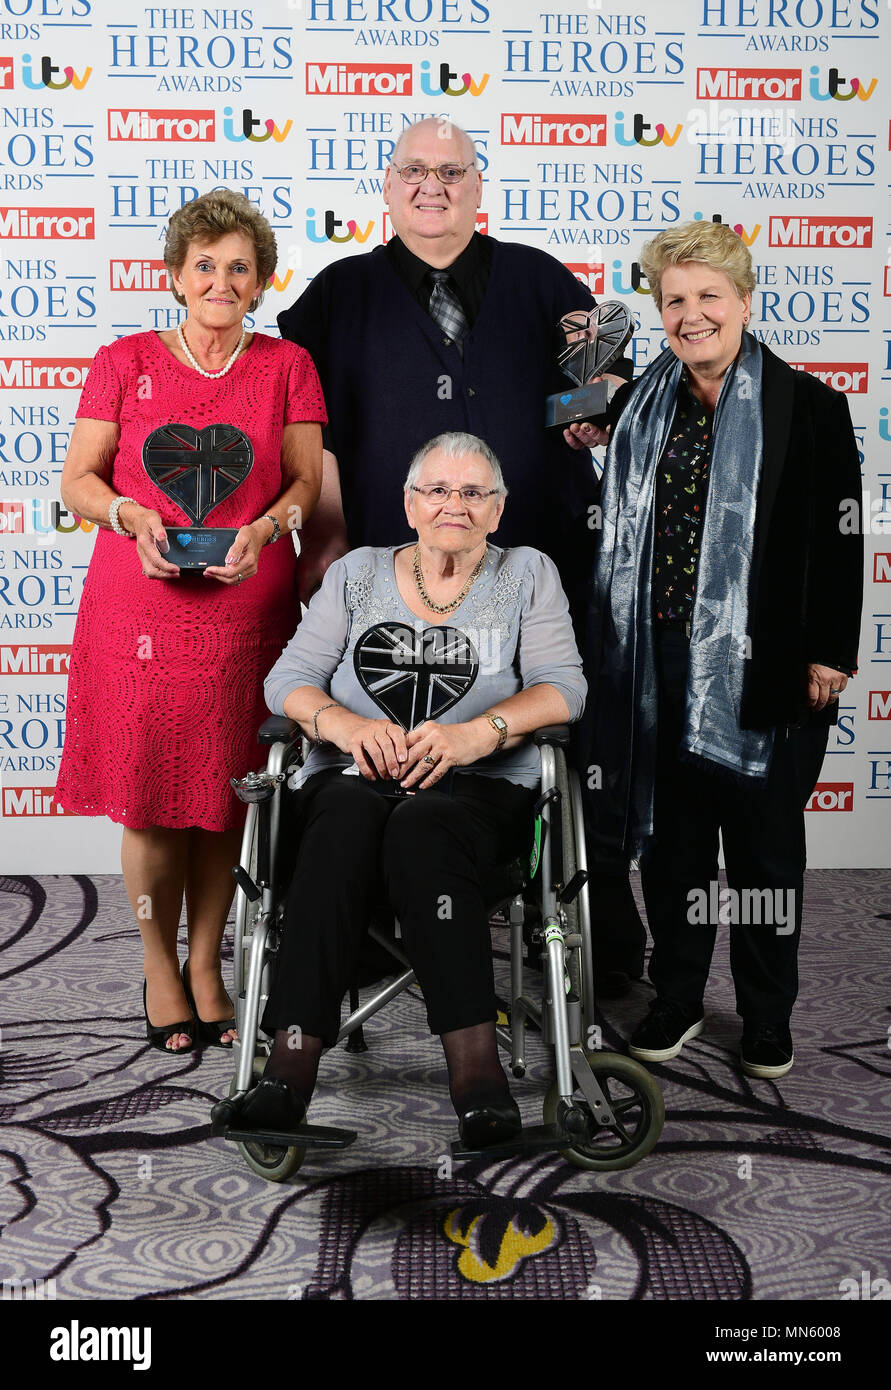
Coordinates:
582 403
196 547
396 792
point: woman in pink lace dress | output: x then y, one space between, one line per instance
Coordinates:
167 666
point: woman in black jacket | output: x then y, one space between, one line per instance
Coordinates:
724 628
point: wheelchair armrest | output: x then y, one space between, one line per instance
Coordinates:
278 728
557 735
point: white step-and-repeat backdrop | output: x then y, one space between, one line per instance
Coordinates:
596 124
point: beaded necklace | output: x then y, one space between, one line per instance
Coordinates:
422 588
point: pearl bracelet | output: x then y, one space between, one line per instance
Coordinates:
113 510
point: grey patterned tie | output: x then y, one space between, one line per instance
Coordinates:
445 308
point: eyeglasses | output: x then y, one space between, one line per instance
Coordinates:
446 173
438 493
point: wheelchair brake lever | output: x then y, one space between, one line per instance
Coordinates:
246 884
575 885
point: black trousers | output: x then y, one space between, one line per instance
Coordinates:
424 856
762 830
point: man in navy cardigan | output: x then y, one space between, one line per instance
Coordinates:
393 377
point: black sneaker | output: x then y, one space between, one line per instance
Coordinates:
766 1051
662 1034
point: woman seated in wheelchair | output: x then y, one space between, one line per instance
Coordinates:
419 673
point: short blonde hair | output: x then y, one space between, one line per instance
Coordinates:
215 215
711 243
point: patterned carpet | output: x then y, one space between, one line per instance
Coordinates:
112 1186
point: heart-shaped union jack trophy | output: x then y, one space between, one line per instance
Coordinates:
595 339
414 674
198 469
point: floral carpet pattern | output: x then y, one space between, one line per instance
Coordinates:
112 1186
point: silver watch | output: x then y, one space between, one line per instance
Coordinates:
276 529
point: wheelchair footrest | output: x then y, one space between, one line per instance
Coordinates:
533 1139
306 1137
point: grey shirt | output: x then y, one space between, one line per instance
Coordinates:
515 615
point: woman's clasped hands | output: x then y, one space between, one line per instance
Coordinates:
383 751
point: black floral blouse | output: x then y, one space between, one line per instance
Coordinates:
681 488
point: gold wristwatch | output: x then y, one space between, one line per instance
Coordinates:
500 727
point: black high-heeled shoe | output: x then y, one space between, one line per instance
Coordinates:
159 1037
209 1031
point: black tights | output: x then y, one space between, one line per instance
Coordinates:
476 1076
425 856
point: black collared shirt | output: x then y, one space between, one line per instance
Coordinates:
469 273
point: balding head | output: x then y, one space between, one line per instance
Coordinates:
440 130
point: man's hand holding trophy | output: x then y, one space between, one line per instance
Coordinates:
595 338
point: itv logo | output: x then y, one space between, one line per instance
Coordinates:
834 83
442 84
47 77
249 127
328 231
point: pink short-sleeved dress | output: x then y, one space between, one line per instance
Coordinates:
165 691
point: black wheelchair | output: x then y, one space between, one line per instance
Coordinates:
603 1111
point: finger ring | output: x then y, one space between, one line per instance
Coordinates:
428 759
239 578
836 693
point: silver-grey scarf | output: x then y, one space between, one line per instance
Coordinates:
626 694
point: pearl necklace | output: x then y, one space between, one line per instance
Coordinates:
422 589
212 376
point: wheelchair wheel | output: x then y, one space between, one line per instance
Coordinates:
636 1102
266 1160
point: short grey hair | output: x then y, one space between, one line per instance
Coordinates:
454 444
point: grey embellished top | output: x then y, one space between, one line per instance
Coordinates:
515 616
